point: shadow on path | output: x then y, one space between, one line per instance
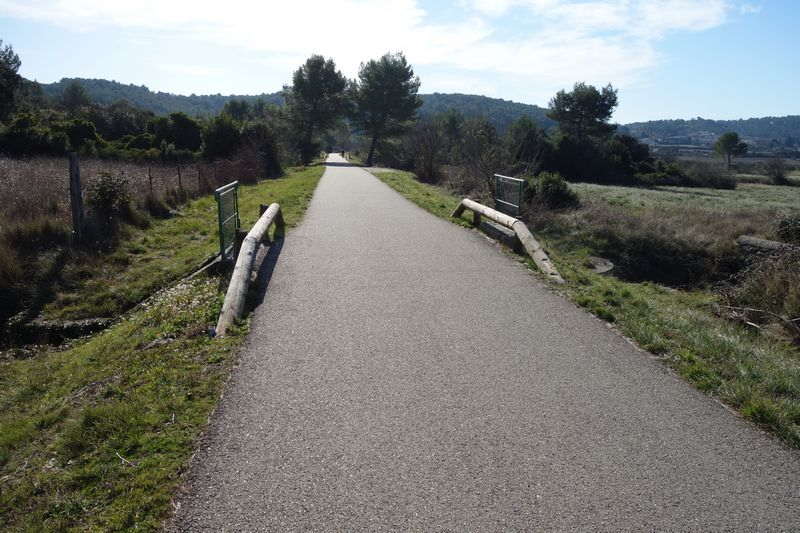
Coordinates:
264 273
340 164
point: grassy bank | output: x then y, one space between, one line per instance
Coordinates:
755 372
94 436
100 285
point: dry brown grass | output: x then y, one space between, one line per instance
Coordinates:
35 216
30 188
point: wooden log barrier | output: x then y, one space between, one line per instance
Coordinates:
529 242
233 306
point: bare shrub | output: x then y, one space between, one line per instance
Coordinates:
465 183
789 229
776 170
769 291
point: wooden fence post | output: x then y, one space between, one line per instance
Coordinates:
75 197
150 180
180 183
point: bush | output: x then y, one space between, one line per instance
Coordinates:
550 190
41 233
703 174
262 139
776 170
108 196
156 206
772 285
789 229
650 255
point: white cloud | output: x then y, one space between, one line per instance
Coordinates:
748 8
553 42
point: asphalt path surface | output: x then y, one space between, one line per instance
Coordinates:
403 373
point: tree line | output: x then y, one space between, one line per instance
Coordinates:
375 114
378 103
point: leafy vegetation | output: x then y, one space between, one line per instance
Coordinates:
315 101
384 99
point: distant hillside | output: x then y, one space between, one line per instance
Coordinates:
501 113
700 130
106 92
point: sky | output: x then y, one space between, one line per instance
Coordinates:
720 59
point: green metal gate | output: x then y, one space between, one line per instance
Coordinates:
508 194
228 211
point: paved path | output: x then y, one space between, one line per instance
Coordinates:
404 374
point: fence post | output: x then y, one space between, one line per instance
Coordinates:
150 180
75 197
180 183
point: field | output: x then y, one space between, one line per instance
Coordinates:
94 435
40 186
755 370
746 197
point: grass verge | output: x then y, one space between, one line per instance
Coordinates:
100 285
757 374
94 436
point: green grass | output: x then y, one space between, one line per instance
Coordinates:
747 196
68 416
104 285
95 436
756 373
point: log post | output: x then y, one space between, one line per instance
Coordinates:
150 179
476 219
529 242
233 306
76 197
180 182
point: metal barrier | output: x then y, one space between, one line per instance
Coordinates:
508 194
228 214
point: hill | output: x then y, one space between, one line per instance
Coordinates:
783 131
501 113
698 131
160 103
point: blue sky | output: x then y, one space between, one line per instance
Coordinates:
668 58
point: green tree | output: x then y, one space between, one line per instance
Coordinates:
584 112
527 144
222 137
315 101
385 98
187 134
237 109
728 145
9 79
80 133
75 97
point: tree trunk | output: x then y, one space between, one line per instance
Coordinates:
372 149
728 155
